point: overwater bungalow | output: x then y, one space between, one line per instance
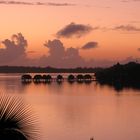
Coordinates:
59 78
26 78
80 78
87 78
71 78
47 78
37 78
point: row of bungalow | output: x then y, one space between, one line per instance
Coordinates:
59 78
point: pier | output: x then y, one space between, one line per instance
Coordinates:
80 78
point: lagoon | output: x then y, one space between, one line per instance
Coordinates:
79 111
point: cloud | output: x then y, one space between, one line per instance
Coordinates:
31 52
128 28
125 1
59 56
130 59
76 30
90 45
14 53
6 2
3 2
62 57
60 4
19 2
16 2
14 49
54 4
56 48
138 49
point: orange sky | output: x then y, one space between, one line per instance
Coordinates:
39 23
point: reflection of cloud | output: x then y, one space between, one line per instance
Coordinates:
90 45
36 3
76 30
129 28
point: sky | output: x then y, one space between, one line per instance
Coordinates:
69 33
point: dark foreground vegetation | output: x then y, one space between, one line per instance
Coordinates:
17 121
120 76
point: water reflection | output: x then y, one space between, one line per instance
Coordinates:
11 84
80 111
120 86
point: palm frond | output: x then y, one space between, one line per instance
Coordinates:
17 119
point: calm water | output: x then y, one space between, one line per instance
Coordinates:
79 111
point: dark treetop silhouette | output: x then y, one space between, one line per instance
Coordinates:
120 76
17 121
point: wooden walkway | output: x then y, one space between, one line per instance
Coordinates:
58 78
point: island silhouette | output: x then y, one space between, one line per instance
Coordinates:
118 75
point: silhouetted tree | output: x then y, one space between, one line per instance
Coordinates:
120 76
12 135
22 69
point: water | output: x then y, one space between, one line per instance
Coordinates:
79 111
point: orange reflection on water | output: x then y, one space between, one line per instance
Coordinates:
80 111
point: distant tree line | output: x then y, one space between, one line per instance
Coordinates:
22 69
